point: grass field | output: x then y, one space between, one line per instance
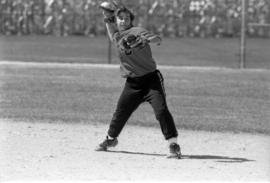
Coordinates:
199 99
179 52
52 115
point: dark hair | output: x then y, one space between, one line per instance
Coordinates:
124 9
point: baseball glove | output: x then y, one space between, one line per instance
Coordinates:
132 41
136 41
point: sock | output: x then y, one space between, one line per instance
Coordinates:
172 140
109 137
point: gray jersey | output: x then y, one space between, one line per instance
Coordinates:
137 61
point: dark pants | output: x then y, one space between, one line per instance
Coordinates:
148 88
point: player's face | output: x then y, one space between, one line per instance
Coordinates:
123 21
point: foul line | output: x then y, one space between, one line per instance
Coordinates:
110 66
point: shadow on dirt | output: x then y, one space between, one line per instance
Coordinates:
221 159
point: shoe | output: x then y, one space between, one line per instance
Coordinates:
175 151
107 143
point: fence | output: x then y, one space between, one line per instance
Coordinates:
170 18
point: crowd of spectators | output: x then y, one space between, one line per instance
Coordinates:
170 18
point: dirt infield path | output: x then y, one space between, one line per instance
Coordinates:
46 151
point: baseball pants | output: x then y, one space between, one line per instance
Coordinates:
148 88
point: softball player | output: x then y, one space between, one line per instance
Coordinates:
144 83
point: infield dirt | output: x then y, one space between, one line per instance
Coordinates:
56 151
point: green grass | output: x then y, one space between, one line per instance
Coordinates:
213 100
180 52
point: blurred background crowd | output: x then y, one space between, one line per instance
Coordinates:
170 18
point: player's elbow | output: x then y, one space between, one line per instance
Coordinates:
156 39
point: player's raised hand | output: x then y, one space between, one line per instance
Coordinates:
108 9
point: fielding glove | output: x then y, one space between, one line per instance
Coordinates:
136 41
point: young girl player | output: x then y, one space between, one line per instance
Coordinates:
144 83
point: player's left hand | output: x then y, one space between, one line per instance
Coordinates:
136 41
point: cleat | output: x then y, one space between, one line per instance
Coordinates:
175 151
107 143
